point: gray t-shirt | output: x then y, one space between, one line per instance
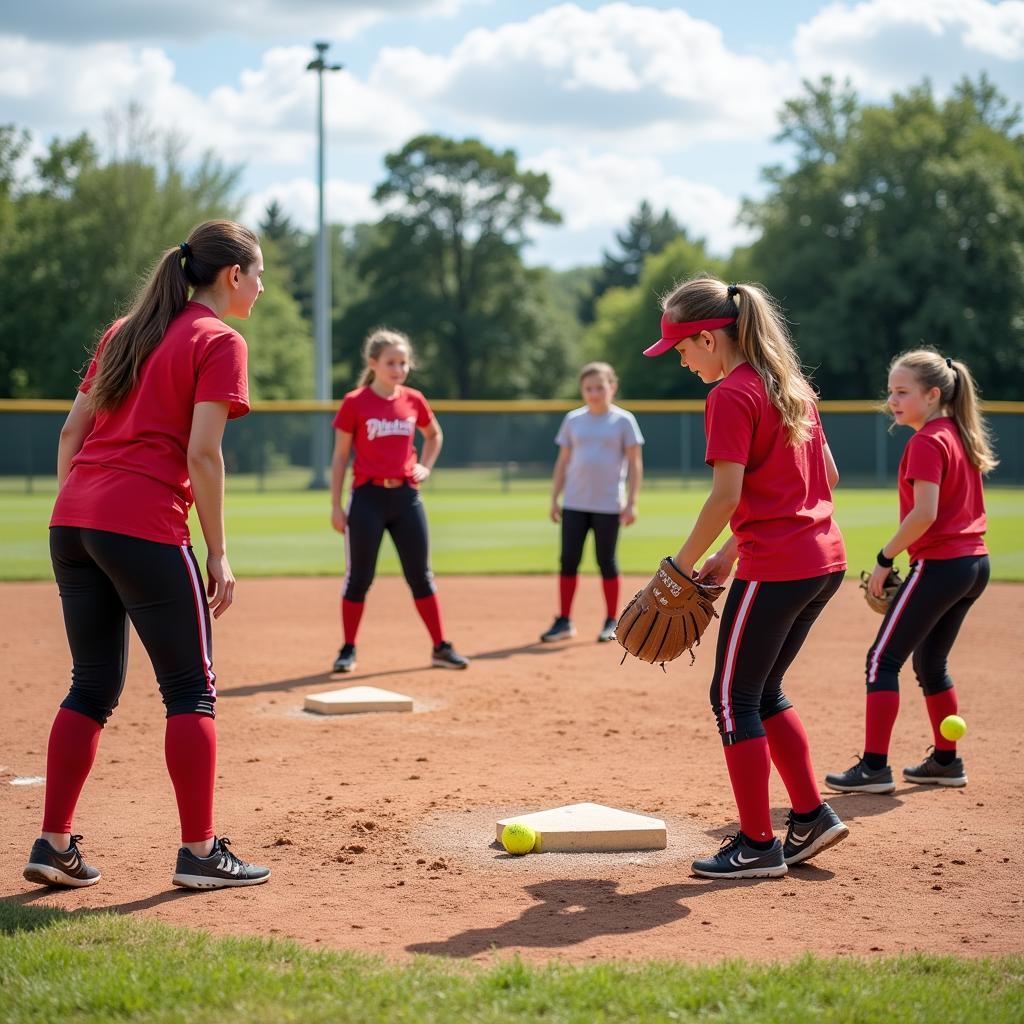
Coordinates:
596 474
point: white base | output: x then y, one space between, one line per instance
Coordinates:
356 700
590 828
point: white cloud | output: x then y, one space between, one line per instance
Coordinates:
618 70
345 202
884 45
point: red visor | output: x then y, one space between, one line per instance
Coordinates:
672 333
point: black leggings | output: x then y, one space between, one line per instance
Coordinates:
574 534
399 510
763 627
925 617
105 580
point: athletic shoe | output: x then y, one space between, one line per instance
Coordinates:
607 631
861 779
445 656
220 870
48 867
930 773
738 859
806 838
561 629
346 659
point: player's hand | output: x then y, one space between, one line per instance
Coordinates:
339 520
220 585
716 569
876 585
627 517
420 472
556 512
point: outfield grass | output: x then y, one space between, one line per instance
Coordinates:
483 530
102 967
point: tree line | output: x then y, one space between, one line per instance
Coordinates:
892 225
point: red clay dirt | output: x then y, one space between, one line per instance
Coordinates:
380 828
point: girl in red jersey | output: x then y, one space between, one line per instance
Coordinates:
141 443
942 526
379 420
773 479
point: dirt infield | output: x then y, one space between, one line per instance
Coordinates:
379 828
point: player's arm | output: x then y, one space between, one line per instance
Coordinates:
339 464
634 477
433 438
914 526
831 469
726 488
206 472
558 481
72 435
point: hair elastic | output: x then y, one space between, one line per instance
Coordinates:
186 249
733 290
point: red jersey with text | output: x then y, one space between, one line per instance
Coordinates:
936 454
131 474
383 430
783 522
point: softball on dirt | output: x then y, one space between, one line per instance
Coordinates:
952 727
518 838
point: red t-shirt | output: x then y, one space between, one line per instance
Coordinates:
783 522
936 454
383 430
131 474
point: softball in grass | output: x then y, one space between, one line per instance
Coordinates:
518 838
952 727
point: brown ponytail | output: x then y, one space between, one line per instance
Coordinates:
378 340
210 247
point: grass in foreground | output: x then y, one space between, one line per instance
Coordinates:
101 967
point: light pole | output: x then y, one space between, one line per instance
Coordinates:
322 288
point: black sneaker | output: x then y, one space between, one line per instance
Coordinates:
607 631
221 870
930 773
737 859
445 656
861 779
561 629
346 659
806 838
48 867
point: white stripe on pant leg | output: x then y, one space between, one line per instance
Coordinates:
200 603
348 550
725 685
897 611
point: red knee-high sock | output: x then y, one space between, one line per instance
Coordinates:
791 755
74 739
939 706
879 718
566 592
611 596
351 613
430 613
190 749
749 765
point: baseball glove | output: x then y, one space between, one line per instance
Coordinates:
667 617
881 604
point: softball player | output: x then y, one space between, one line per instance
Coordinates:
141 443
942 525
600 446
378 421
773 479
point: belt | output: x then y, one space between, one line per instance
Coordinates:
390 482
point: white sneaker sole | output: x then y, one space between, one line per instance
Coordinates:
545 639
206 882
46 874
918 780
874 787
836 834
773 872
439 663
343 671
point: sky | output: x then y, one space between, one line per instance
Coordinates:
676 103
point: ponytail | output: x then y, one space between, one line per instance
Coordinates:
210 247
378 340
958 394
762 336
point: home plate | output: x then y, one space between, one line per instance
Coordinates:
591 828
357 699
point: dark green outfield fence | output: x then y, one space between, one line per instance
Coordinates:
498 443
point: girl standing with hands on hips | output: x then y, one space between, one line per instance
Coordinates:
599 448
942 526
379 421
141 444
772 482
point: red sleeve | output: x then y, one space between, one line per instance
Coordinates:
926 459
345 418
729 425
94 363
423 411
223 373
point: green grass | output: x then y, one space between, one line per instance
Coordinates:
482 529
102 967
